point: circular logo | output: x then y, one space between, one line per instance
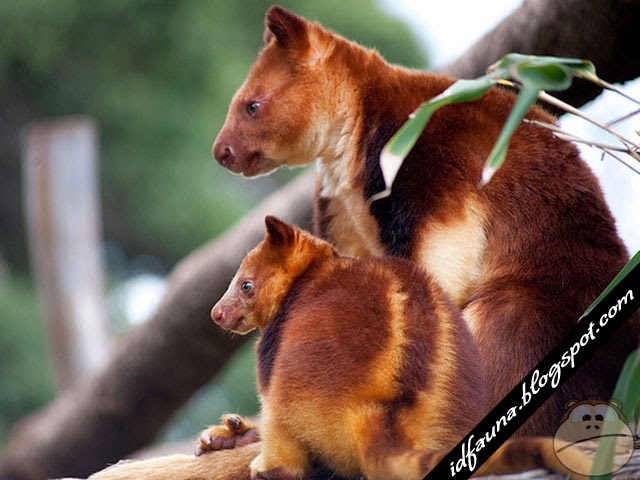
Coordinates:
587 426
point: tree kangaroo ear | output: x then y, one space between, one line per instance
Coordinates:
289 29
279 233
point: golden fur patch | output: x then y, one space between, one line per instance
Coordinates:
452 251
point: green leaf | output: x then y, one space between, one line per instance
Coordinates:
627 392
544 77
633 263
397 149
538 68
527 97
466 90
534 74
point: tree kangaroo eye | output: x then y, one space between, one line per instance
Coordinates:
252 108
246 286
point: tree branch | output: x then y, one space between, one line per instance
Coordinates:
602 31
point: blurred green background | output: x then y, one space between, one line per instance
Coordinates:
157 76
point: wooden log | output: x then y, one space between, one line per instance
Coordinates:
173 467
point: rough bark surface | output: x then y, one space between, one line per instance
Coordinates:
158 366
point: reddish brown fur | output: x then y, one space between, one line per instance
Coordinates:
547 241
355 363
352 346
523 257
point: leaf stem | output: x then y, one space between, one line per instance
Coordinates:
545 97
623 118
563 134
608 86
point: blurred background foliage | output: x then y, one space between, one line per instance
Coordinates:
157 75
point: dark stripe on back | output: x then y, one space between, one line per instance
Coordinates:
421 327
269 343
396 215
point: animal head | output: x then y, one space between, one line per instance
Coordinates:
587 424
586 420
266 275
287 109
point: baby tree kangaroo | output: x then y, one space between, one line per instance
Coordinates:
363 365
523 257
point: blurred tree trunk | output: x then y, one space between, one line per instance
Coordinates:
65 242
158 366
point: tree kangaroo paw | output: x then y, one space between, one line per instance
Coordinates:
234 432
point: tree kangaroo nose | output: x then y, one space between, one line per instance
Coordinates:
223 153
217 314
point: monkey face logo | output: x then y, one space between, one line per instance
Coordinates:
586 426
